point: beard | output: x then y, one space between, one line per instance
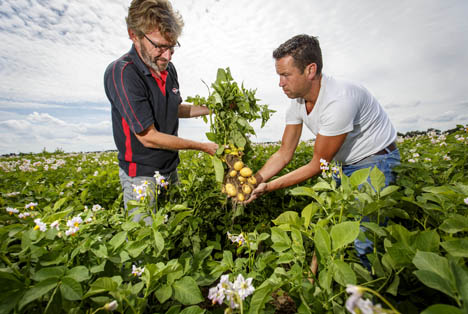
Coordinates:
152 62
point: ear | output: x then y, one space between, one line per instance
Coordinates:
133 36
311 70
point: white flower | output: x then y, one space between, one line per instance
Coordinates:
239 239
89 219
466 201
415 155
72 231
443 144
96 173
24 215
12 211
30 205
96 208
12 194
112 306
74 222
216 295
55 225
69 184
356 294
40 225
447 157
166 218
243 287
137 271
427 159
140 190
411 160
78 169
160 180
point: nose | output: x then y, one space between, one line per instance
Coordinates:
281 82
167 54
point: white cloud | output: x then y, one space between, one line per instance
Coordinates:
411 56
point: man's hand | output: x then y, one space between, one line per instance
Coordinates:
259 191
210 148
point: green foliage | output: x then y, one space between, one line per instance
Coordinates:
418 262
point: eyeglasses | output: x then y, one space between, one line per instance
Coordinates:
163 48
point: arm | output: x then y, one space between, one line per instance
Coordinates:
152 138
325 147
279 160
189 111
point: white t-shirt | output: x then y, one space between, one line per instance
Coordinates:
345 107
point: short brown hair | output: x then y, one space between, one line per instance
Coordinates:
145 16
304 49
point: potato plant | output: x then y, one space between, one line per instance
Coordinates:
232 109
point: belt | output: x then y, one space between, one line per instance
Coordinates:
390 148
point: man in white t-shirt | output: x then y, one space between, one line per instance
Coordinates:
350 125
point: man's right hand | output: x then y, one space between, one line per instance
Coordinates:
210 148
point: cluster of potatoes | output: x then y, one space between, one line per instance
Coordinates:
239 182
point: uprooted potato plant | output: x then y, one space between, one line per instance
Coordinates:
232 109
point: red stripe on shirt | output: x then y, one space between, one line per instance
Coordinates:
128 149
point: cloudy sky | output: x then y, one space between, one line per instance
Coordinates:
412 55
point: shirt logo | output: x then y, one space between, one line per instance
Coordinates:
175 90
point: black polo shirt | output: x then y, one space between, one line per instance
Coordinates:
138 102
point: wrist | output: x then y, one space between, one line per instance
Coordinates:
258 177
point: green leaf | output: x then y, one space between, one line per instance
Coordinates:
377 179
37 291
164 293
441 309
427 240
71 289
359 177
103 284
79 273
194 309
322 186
219 169
343 273
59 203
288 217
389 190
211 136
435 281
456 248
322 242
49 272
303 191
186 291
118 240
281 240
308 212
461 281
454 224
158 240
372 226
135 248
262 295
432 262
344 233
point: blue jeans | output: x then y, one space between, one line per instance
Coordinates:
129 193
385 163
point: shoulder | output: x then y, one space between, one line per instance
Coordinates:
122 67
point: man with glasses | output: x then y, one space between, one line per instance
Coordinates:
143 89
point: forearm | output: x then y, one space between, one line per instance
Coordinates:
152 138
273 165
189 111
295 177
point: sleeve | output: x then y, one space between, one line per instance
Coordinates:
130 97
293 115
337 117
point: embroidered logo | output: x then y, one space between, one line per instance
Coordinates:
175 90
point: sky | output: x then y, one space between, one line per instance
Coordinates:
412 55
